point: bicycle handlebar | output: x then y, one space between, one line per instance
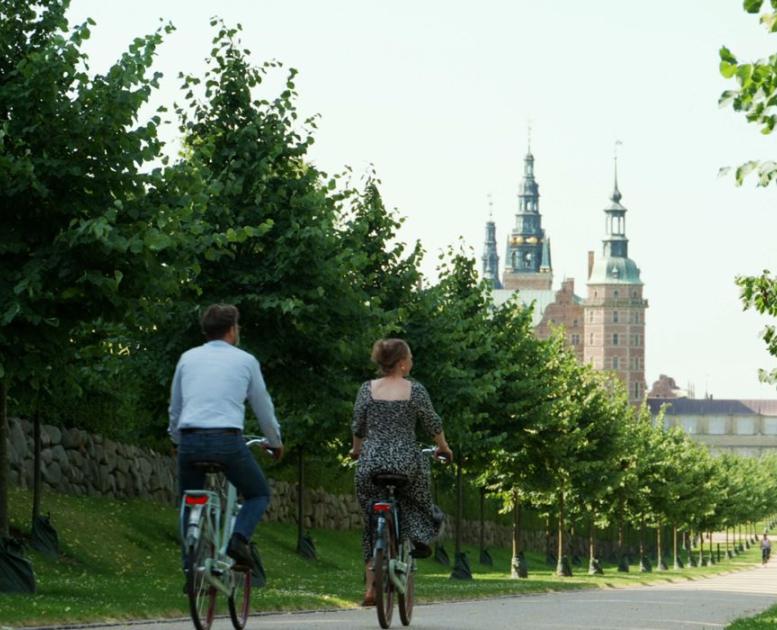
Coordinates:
263 442
431 451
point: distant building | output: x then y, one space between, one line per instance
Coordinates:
744 427
607 328
666 387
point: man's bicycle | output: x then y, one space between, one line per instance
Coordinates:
209 517
393 564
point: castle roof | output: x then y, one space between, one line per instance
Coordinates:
614 270
712 407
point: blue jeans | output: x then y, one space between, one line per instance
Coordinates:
240 468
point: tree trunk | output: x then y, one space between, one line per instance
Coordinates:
37 487
712 549
482 518
300 497
5 468
459 505
701 550
644 561
518 567
623 561
594 566
591 542
675 557
548 540
563 566
659 549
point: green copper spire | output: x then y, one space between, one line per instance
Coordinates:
490 257
527 250
615 266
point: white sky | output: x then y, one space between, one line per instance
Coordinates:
437 95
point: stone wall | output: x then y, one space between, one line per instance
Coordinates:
76 462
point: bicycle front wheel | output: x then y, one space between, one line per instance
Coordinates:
240 600
384 588
201 593
407 600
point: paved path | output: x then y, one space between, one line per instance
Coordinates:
693 605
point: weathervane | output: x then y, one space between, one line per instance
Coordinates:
490 206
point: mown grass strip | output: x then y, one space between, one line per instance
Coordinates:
121 561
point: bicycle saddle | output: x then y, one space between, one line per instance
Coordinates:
390 479
208 467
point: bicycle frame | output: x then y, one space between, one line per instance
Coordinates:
400 566
209 501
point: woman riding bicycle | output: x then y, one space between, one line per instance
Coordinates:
384 419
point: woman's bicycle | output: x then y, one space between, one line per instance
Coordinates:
209 517
393 564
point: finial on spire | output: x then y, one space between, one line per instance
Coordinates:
490 207
616 194
528 136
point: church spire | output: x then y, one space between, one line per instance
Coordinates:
528 252
490 255
616 194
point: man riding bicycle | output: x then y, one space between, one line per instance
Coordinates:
207 414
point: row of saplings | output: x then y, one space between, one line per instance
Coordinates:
697 549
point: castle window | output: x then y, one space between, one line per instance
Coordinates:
591 339
615 316
634 294
614 339
590 316
615 293
615 363
574 324
575 340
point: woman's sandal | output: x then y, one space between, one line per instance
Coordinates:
369 599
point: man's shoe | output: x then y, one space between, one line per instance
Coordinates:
420 550
240 552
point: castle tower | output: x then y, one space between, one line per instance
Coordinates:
614 310
528 265
490 255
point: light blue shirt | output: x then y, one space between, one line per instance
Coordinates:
210 387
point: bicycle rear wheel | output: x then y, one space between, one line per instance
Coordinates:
240 600
202 595
407 600
384 588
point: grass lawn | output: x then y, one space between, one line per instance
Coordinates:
767 620
121 561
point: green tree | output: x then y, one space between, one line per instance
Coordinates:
756 97
311 263
515 418
79 242
449 330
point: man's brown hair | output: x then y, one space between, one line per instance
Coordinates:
217 319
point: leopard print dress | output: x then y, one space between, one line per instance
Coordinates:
390 445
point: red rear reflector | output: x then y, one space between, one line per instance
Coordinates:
381 507
190 500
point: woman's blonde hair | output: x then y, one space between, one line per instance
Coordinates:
386 353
